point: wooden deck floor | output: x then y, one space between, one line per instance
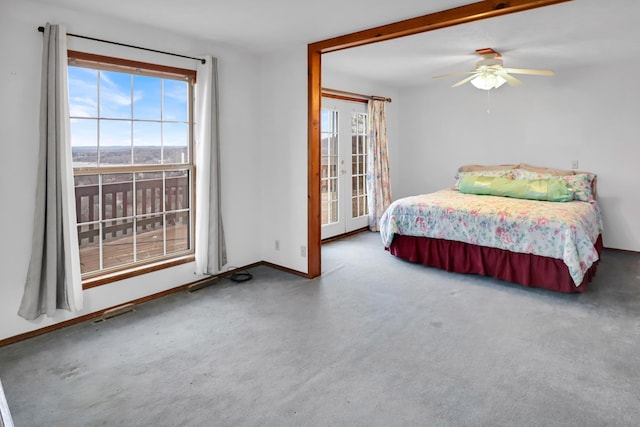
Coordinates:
120 250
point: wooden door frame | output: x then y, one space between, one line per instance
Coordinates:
433 21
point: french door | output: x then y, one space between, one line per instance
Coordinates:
344 139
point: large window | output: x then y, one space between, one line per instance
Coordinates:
131 138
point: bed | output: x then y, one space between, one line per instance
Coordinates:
554 245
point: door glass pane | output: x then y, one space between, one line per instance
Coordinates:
333 198
354 207
329 166
358 164
326 119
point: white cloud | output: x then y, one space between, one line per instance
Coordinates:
82 107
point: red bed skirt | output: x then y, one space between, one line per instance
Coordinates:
525 269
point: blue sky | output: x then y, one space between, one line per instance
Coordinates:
123 97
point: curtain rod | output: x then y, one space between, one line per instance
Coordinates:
344 92
204 61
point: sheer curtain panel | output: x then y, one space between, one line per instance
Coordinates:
210 249
378 185
53 279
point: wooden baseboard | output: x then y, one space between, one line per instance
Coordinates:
626 251
285 269
104 313
345 235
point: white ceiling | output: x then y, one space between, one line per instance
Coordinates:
261 25
556 37
559 37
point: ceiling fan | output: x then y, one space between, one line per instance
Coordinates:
490 72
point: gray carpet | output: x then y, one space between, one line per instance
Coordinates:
375 342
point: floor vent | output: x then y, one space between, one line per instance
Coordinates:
200 285
116 311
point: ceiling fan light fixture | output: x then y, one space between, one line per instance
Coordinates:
488 81
491 74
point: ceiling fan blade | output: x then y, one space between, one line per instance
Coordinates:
468 79
529 71
454 74
511 81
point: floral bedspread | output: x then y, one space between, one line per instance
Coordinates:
565 231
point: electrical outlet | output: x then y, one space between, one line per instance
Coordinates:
277 245
574 164
303 251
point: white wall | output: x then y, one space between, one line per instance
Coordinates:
283 150
584 114
20 50
283 157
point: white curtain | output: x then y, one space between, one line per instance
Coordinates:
211 254
53 279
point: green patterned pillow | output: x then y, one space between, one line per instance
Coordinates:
551 189
580 183
504 173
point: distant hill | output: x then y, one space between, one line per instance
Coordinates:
146 155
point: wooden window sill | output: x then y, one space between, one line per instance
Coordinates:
104 279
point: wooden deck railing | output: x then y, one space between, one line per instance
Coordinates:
118 206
